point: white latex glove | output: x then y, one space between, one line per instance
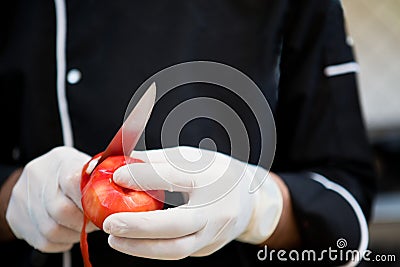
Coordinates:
45 205
219 208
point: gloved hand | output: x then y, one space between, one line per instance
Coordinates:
45 204
219 207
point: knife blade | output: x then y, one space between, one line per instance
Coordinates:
125 140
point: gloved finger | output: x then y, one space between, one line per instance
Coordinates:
70 186
70 178
163 249
169 223
156 155
24 228
54 232
208 250
30 234
63 210
173 154
41 243
47 227
156 176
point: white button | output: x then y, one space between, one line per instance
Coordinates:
74 76
349 41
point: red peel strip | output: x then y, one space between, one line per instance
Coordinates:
84 244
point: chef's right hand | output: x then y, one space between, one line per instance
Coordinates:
45 205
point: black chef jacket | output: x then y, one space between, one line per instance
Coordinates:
295 51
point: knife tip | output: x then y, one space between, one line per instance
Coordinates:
152 90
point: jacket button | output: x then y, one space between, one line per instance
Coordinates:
74 76
349 41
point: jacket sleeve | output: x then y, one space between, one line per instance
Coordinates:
322 152
10 98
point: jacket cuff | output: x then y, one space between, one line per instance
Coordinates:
326 213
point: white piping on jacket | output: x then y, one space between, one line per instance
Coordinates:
61 39
61 35
335 70
355 206
67 259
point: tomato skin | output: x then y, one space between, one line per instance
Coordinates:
102 197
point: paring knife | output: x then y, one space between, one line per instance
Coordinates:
132 128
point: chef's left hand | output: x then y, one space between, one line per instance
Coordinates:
220 206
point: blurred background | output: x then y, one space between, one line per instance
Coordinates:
374 30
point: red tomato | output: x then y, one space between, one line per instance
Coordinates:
102 197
